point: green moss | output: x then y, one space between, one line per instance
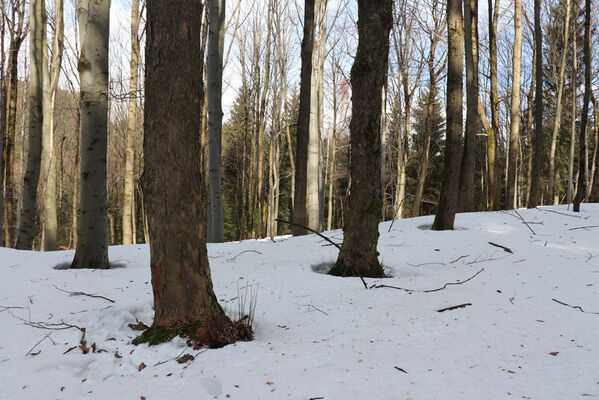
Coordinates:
159 334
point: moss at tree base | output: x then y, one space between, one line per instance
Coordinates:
199 333
375 270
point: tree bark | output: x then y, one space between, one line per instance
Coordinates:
173 186
582 142
92 220
129 187
214 64
466 185
514 150
448 198
594 190
300 215
535 184
27 228
358 253
494 181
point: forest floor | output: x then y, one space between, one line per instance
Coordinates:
527 328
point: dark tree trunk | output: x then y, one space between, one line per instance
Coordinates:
492 133
174 194
584 118
466 191
300 215
368 74
451 165
533 199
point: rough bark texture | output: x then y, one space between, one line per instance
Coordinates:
533 199
300 215
92 220
360 233
572 125
129 189
466 186
448 197
558 108
27 228
514 151
174 194
214 64
584 118
594 190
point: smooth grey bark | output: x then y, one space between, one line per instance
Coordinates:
573 125
214 65
129 189
445 216
27 226
50 217
92 230
514 150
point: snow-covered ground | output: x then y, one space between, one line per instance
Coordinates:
323 337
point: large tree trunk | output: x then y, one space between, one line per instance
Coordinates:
594 185
92 220
214 64
175 196
493 168
533 199
466 186
558 108
514 151
358 253
27 228
129 189
314 169
582 141
50 218
300 215
2 127
451 165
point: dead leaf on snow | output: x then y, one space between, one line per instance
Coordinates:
141 366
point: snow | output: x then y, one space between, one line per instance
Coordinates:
318 336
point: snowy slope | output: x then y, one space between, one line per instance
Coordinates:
323 337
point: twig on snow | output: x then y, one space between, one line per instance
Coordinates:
525 223
584 227
459 258
479 260
454 307
557 212
245 251
84 294
507 249
423 264
317 309
401 369
4 308
328 240
429 290
576 307
35 345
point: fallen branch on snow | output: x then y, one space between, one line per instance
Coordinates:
507 249
557 212
35 345
83 294
454 307
429 290
576 307
245 251
584 227
4 308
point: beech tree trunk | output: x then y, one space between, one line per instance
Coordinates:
27 228
50 218
92 220
448 197
573 124
129 189
174 194
514 150
358 253
582 141
466 185
300 215
535 184
214 64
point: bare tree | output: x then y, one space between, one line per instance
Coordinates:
448 198
92 230
27 228
514 150
358 255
